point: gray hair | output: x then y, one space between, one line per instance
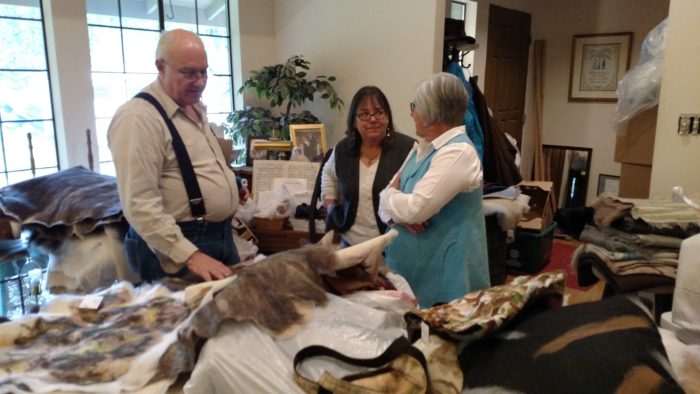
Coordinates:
441 98
168 38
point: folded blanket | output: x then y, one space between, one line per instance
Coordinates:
622 272
644 246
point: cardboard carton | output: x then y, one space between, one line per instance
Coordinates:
636 145
542 205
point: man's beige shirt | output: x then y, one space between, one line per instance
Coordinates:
151 188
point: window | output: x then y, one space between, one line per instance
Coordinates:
123 39
27 130
458 10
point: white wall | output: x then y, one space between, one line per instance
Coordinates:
390 43
254 20
71 83
677 158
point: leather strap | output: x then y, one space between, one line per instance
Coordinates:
400 346
194 193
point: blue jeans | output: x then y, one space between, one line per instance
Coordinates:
214 239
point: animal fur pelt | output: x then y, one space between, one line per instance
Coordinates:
72 201
278 292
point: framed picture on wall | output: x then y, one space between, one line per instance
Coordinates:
598 63
262 149
608 185
310 139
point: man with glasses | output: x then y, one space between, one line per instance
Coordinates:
176 189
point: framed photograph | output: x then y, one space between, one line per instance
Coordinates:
598 63
608 185
310 139
262 149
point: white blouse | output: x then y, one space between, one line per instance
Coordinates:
365 226
454 169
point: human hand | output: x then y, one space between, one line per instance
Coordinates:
416 228
243 195
206 267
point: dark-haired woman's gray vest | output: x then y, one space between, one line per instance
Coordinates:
347 168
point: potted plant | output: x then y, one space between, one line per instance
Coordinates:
284 86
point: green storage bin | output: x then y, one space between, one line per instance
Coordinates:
530 251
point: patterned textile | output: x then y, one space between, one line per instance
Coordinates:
129 342
482 312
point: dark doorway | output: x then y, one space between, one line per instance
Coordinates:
507 56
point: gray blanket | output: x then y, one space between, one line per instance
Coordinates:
73 201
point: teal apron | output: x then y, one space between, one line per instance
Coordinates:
449 259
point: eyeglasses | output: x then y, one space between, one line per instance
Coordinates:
413 106
192 75
367 115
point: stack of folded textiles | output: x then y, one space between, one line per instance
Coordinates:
634 243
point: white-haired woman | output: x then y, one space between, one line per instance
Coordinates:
436 200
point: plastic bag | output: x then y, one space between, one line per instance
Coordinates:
639 88
243 359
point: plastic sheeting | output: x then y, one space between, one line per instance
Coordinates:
243 359
639 88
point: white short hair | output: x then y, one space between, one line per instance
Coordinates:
441 98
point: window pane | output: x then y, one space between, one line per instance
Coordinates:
217 54
30 95
19 176
140 14
136 82
21 9
140 50
458 10
217 95
109 92
212 18
102 126
217 118
43 143
105 52
107 168
16 141
103 12
180 15
22 44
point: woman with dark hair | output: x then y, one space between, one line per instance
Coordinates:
360 166
435 200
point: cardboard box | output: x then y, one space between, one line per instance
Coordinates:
636 145
635 180
542 205
530 251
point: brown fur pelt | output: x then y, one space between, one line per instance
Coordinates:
56 206
274 293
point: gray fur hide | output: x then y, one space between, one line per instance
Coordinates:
70 202
272 293
279 292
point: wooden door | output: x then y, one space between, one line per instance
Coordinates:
506 68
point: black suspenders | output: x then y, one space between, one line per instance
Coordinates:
194 194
